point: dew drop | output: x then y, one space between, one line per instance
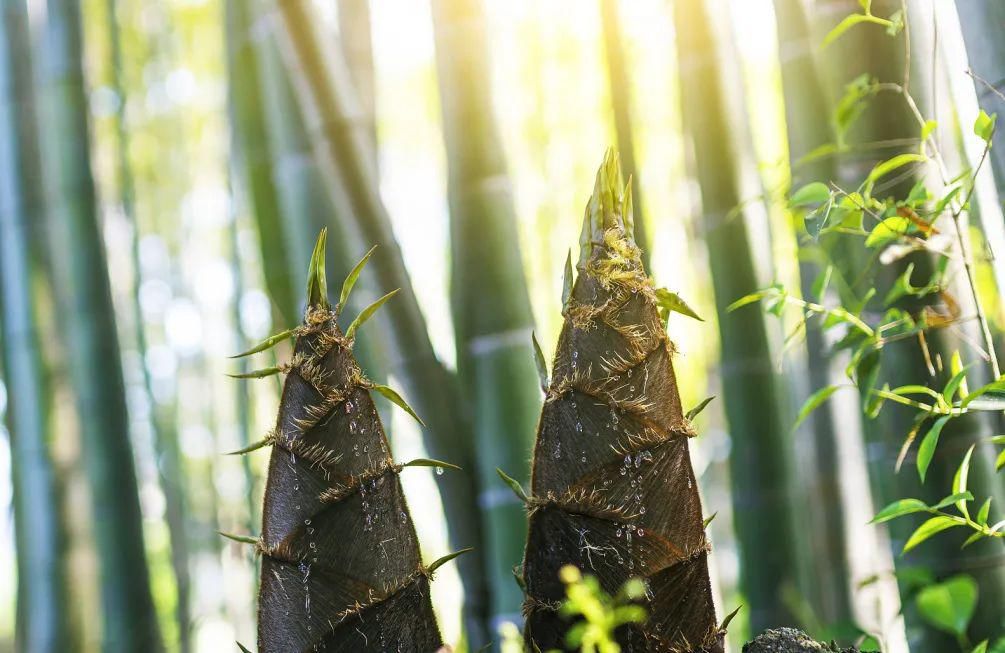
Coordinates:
439 471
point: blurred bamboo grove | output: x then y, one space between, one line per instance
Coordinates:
166 166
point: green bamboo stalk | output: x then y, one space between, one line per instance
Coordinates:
807 129
490 303
252 149
357 44
763 508
621 103
170 470
324 91
88 324
42 616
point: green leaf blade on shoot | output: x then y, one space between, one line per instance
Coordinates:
729 617
708 520
929 528
672 302
927 448
984 512
431 462
977 535
397 400
514 485
257 374
747 299
317 281
540 363
956 497
366 314
351 278
567 280
268 343
1000 461
694 412
899 508
813 402
439 562
243 649
242 539
254 446
893 163
980 648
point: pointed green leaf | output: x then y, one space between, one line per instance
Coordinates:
747 299
893 163
243 539
729 618
436 564
961 478
889 229
396 399
976 536
317 281
567 280
953 498
513 485
241 646
671 301
1000 462
957 383
980 648
899 508
694 412
264 442
928 128
353 275
542 366
928 529
367 313
984 512
813 402
268 343
430 462
518 577
708 520
984 126
949 605
257 374
927 448
810 194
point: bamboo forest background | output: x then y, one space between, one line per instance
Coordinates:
175 189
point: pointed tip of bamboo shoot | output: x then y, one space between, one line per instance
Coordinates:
317 281
609 207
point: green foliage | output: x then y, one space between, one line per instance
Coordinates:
949 605
600 613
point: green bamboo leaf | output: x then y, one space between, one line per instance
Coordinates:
542 366
813 402
889 229
949 605
984 126
367 313
811 194
436 564
984 512
928 529
351 278
264 442
671 301
953 498
243 539
268 343
567 279
729 618
694 412
430 462
317 281
958 382
928 444
513 485
708 520
898 509
241 646
980 648
973 538
747 299
396 399
997 386
257 374
1000 462
893 163
961 478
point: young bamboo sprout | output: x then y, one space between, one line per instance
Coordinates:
613 492
341 569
